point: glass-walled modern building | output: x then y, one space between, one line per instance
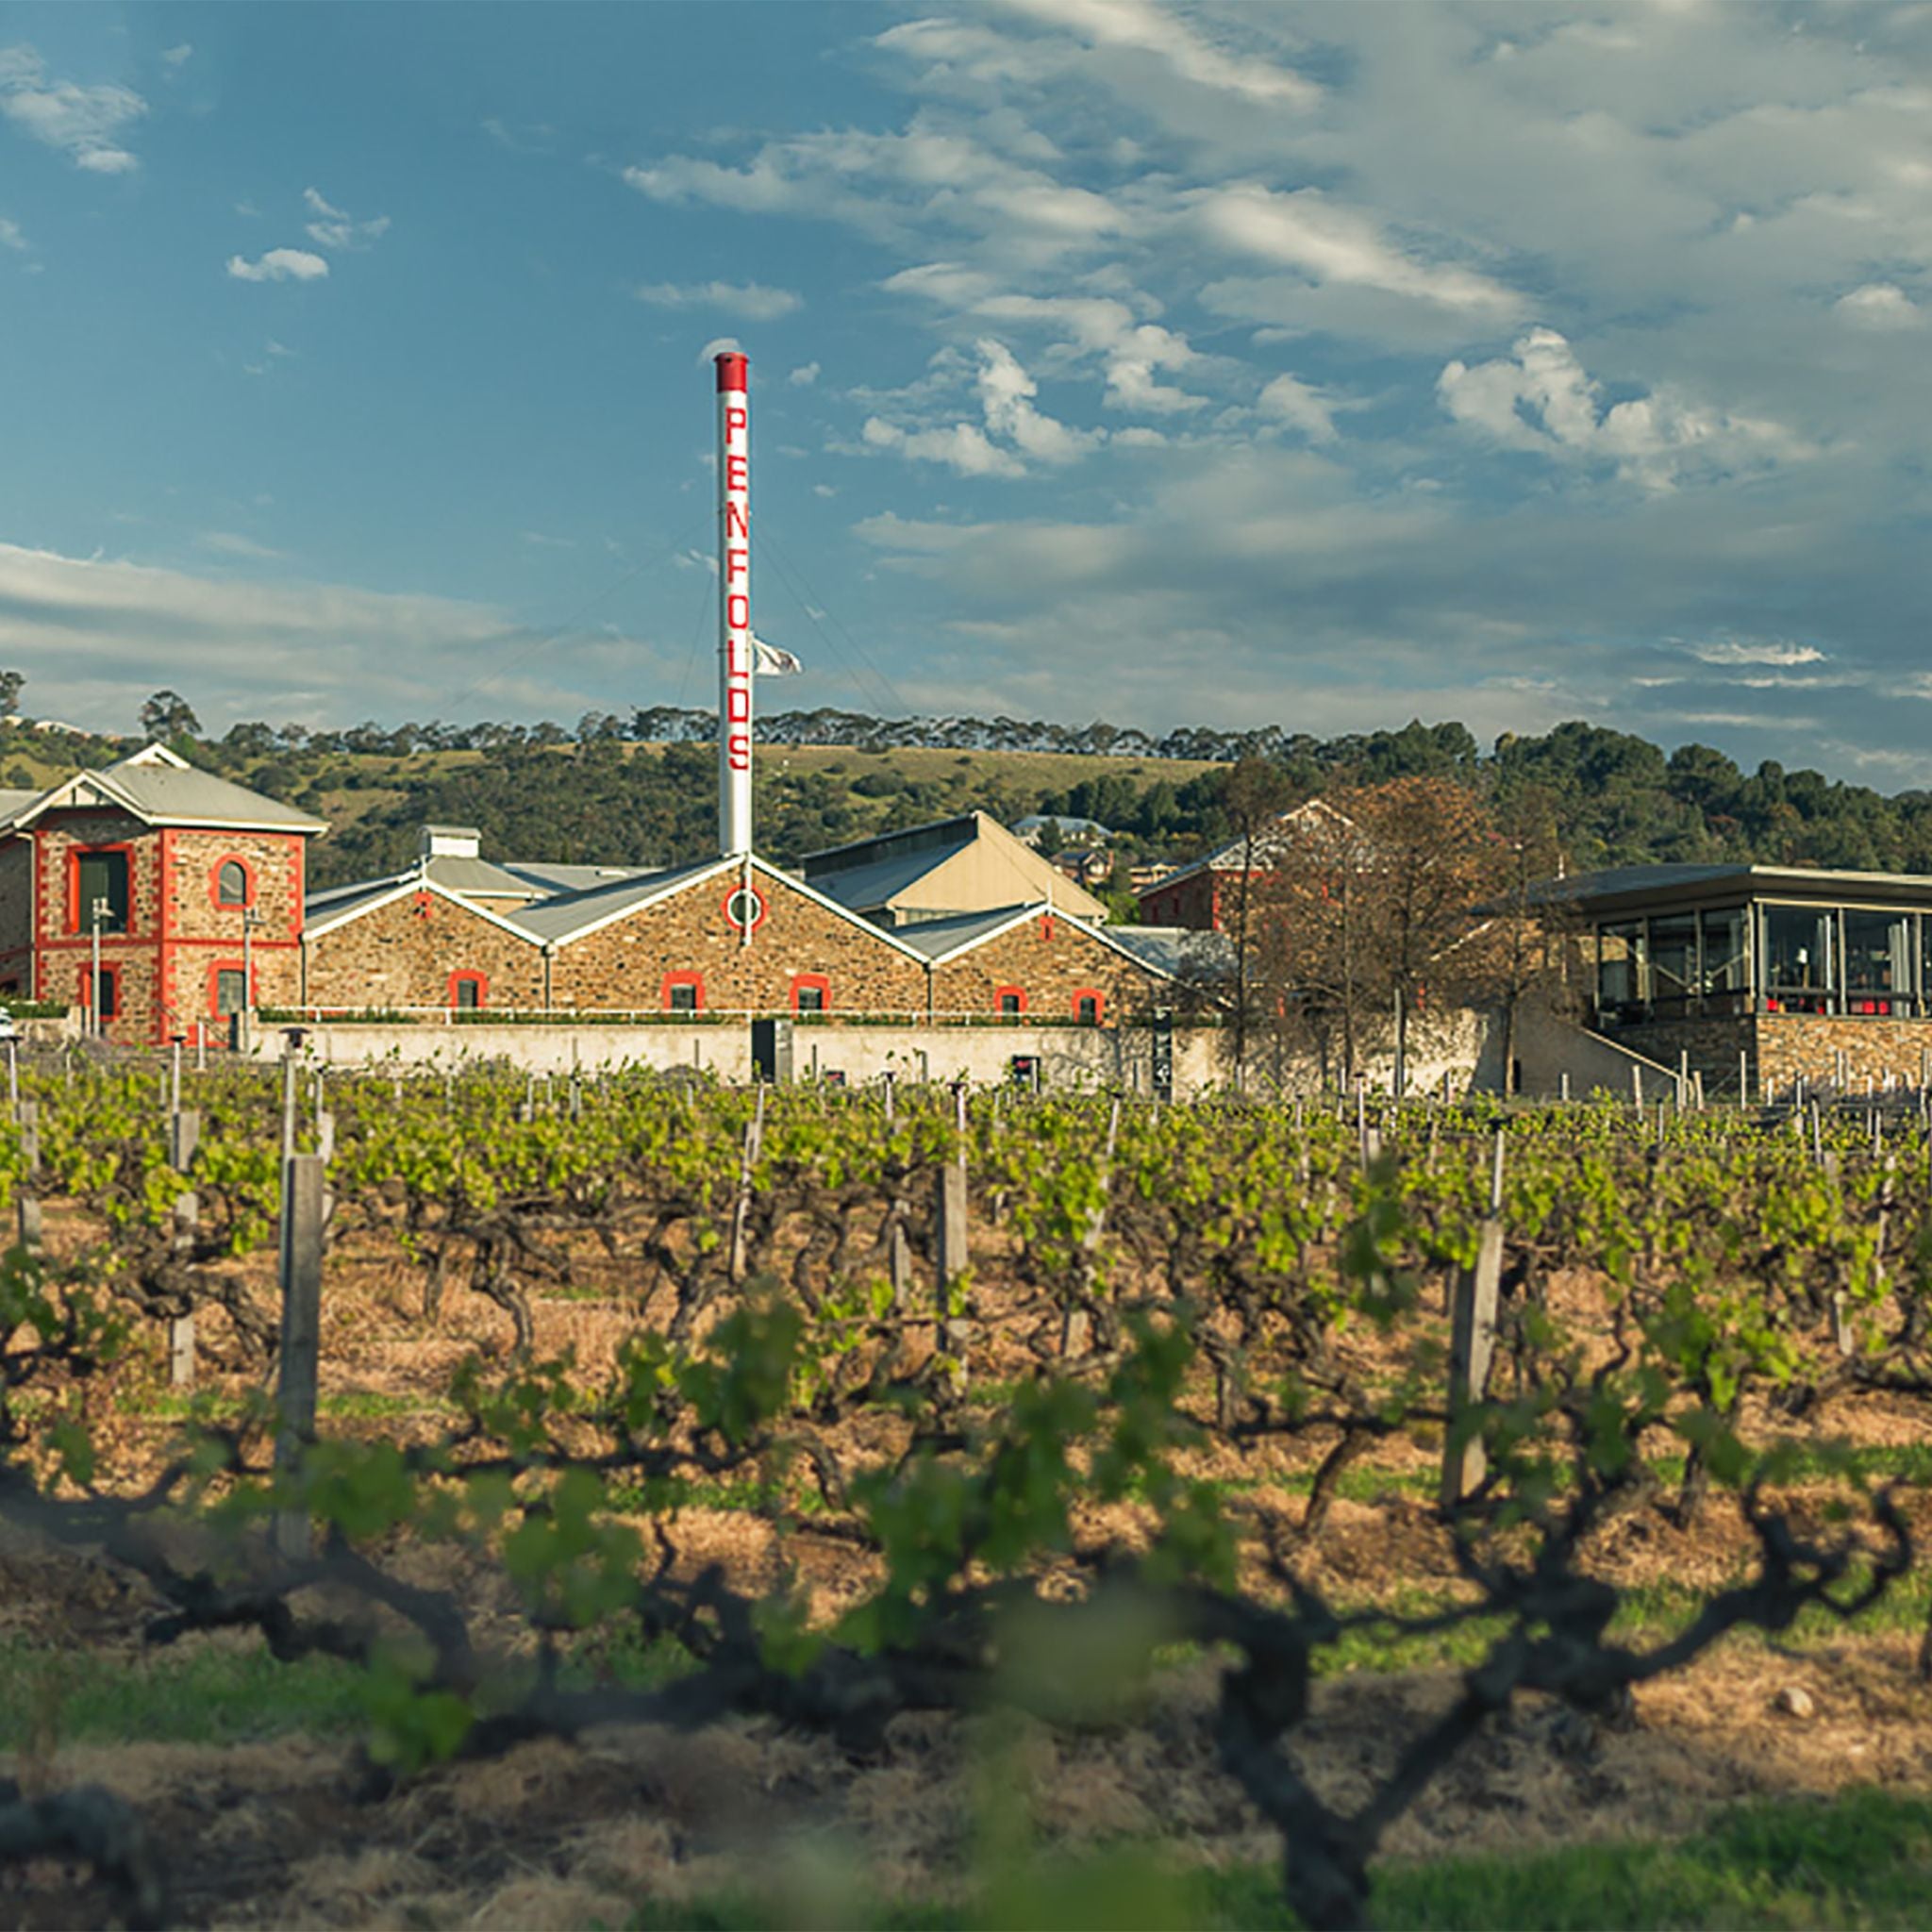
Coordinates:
1674 942
1823 975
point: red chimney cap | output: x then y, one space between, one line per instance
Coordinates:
731 370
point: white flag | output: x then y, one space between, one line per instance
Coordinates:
772 660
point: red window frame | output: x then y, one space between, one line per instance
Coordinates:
811 982
1001 994
111 976
1099 999
214 884
479 980
1046 928
75 854
694 980
218 967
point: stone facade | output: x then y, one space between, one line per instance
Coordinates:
1779 1049
1051 964
16 916
178 936
411 951
632 964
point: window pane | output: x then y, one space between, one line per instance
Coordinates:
234 884
1726 954
684 999
1797 955
469 995
1674 960
230 991
1087 1010
1009 1003
1879 959
811 999
1623 977
109 991
103 875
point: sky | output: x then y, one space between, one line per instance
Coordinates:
1155 360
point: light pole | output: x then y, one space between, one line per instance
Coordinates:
96 912
250 920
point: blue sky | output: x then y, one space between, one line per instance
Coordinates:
1322 365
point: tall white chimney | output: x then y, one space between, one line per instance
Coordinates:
734 605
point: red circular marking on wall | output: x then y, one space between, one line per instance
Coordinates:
734 909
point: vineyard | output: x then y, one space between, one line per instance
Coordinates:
812 1505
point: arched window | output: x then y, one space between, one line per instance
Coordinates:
1009 1001
231 883
1088 1006
811 993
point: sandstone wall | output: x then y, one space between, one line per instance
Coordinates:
627 966
403 954
1051 962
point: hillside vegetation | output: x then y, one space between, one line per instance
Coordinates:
605 795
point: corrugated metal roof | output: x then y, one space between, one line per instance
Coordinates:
548 877
175 793
1179 951
480 878
569 914
1632 886
933 939
864 887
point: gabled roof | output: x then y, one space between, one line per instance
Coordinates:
162 788
941 941
879 874
1233 855
324 911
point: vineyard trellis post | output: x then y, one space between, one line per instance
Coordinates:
300 1345
951 1257
754 1139
184 1137
26 1115
1476 1296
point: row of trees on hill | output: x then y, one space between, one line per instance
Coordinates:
556 793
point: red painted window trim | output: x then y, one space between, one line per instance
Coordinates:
1046 928
85 987
1000 994
802 982
481 981
215 971
694 980
759 919
75 854
249 885
1099 999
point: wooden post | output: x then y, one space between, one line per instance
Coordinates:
1474 1297
1563 1086
1743 1078
27 1113
288 1105
32 1228
1637 1087
184 1137
953 1261
898 1257
754 1138
890 1083
13 1074
1496 1176
1076 1326
300 1352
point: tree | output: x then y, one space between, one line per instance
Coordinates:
168 714
12 684
1253 795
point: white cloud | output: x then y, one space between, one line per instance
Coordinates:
279 265
1290 400
10 234
963 447
1139 26
804 375
721 346
232 543
1880 306
1541 398
752 300
1006 395
178 58
88 631
1333 243
83 122
335 227
1755 650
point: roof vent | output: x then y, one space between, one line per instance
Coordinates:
450 842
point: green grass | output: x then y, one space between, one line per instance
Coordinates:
1858 1863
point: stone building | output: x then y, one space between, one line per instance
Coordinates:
194 884
1771 974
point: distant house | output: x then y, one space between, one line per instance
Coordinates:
1198 895
1083 865
966 865
193 883
1072 831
